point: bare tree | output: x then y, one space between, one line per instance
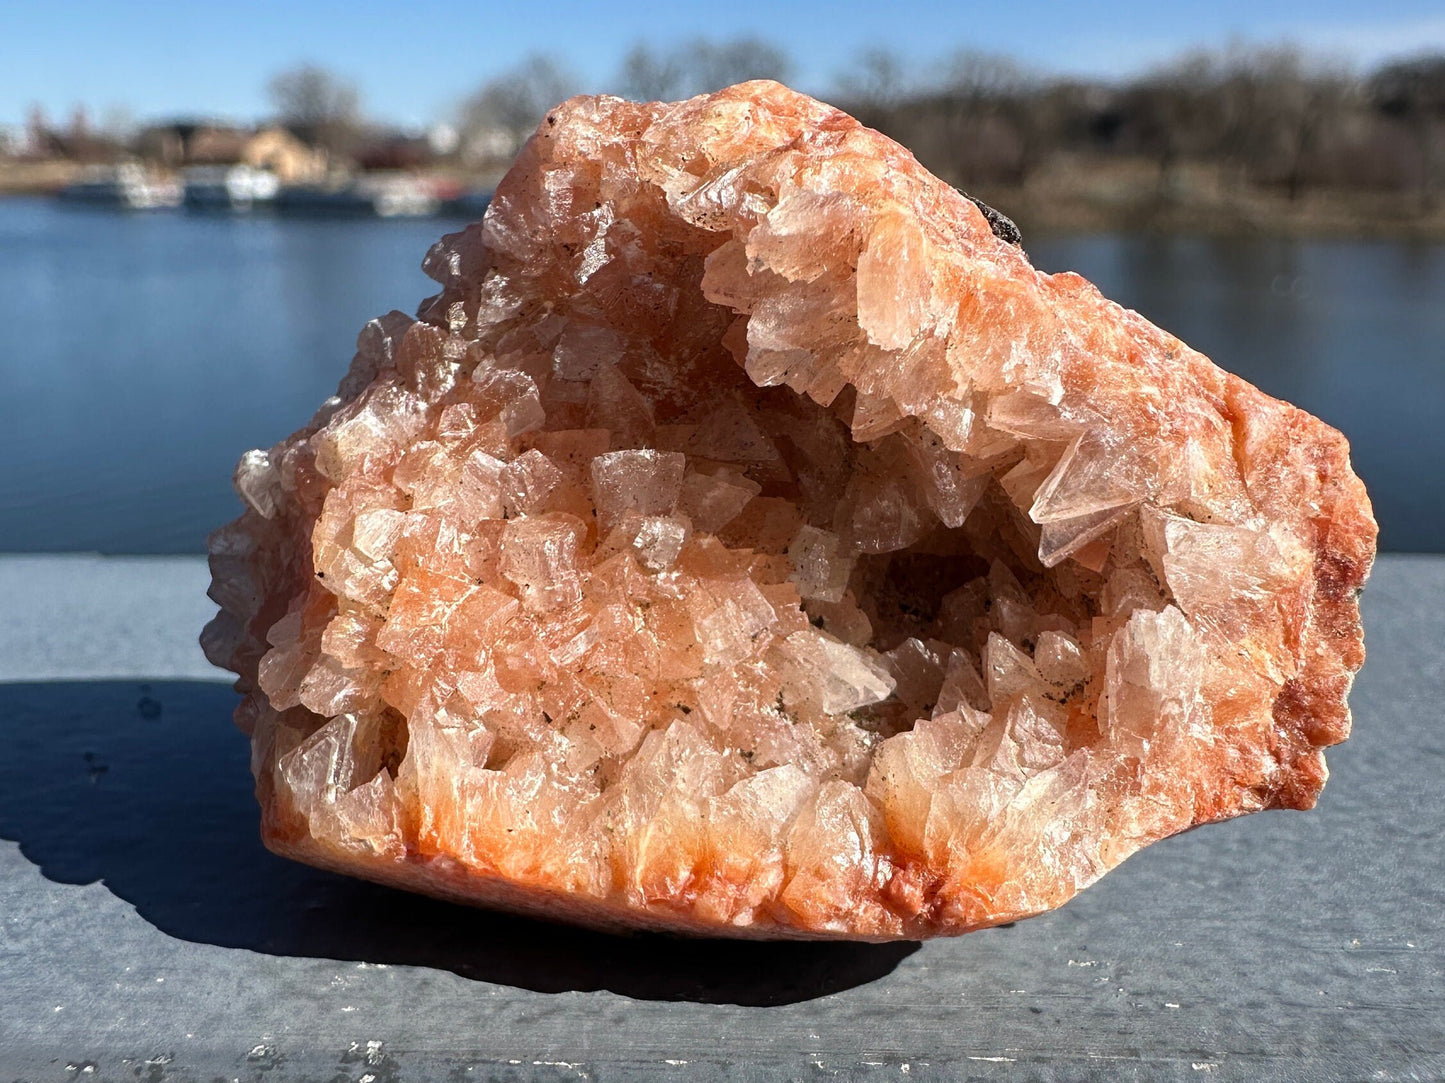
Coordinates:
877 80
118 123
978 90
698 67
1045 118
1413 93
712 66
1276 108
497 119
318 105
983 78
649 76
1174 112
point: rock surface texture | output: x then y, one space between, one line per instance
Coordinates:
748 541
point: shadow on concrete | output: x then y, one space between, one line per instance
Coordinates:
147 788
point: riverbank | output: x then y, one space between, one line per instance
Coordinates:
1076 194
28 178
23 177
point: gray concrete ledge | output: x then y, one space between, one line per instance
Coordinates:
87 616
145 934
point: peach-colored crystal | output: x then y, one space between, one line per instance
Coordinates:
748 541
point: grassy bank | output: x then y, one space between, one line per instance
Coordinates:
27 178
1079 194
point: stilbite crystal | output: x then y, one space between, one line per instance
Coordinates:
746 540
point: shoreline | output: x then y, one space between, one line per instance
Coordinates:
1037 218
1086 194
1322 219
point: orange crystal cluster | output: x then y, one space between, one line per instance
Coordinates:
748 541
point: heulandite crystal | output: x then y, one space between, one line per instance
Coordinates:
748 541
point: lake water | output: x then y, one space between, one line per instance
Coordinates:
141 354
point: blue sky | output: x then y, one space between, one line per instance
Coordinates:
414 61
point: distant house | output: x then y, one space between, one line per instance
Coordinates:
187 143
216 146
170 144
293 161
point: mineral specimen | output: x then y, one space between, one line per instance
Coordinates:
748 541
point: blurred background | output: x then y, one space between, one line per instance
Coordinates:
200 206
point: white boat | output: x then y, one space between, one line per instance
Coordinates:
229 187
388 196
399 196
126 186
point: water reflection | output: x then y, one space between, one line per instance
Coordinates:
141 354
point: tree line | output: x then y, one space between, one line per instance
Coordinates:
1266 117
